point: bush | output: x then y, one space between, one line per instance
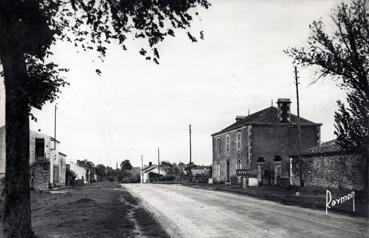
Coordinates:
167 178
201 178
233 179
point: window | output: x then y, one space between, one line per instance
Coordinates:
40 148
218 145
228 143
238 141
239 165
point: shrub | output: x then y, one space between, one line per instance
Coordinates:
233 179
201 178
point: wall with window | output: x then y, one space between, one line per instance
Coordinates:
41 149
232 147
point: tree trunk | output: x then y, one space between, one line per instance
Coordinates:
17 204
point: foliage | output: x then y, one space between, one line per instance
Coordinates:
343 56
110 174
126 165
352 123
155 176
100 172
70 177
201 178
90 25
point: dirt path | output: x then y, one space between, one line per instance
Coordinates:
189 212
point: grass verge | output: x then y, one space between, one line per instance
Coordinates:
308 197
95 211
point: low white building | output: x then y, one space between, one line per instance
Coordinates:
152 169
81 172
44 149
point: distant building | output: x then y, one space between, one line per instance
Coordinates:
90 168
200 169
152 170
60 169
45 160
80 172
261 143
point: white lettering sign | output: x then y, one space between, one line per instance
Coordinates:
330 202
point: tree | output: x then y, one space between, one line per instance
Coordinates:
344 56
125 165
28 28
100 172
110 173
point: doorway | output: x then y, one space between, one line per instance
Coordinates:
227 171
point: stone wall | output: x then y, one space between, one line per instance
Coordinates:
40 175
331 171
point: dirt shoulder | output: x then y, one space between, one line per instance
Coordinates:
96 210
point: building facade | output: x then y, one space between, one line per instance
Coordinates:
152 170
261 143
44 155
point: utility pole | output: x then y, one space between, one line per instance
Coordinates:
190 145
116 171
142 177
55 125
298 127
159 160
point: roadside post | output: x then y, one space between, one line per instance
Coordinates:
244 173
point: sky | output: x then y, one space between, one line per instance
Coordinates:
136 106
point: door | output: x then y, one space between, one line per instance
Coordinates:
56 174
227 171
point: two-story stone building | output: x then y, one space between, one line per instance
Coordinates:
265 138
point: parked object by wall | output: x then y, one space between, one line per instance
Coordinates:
328 166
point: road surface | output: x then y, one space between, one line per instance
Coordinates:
190 212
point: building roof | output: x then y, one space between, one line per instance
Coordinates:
264 117
326 148
60 153
36 132
153 166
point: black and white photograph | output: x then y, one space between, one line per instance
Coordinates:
184 118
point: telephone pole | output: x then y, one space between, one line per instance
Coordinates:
55 108
190 145
159 160
298 128
142 165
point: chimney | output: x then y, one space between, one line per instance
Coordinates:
150 163
284 115
239 118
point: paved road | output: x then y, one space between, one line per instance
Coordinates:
190 212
